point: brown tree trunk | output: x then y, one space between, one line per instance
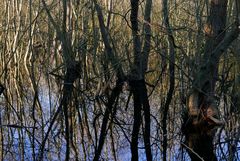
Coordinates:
202 116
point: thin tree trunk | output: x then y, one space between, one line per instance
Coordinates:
137 82
1 130
135 87
112 100
72 73
136 75
145 54
171 46
147 119
119 83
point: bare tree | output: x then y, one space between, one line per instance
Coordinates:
89 80
203 116
137 79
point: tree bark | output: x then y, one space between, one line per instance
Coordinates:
109 108
119 82
135 89
199 126
137 82
73 70
136 75
171 47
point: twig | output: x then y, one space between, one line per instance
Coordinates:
17 126
192 151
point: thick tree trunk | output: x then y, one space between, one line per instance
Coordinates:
203 116
199 134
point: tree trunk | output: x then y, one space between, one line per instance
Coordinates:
137 82
202 117
119 82
135 89
109 108
140 100
171 52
